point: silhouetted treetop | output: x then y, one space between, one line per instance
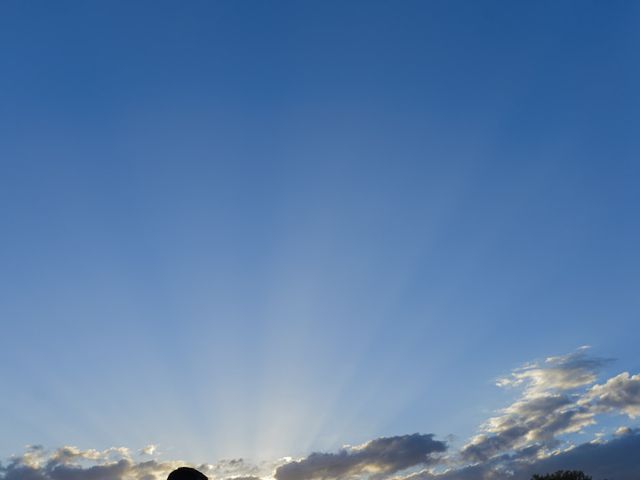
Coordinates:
563 475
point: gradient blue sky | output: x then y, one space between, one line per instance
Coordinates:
253 228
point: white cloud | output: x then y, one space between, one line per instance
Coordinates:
149 450
619 394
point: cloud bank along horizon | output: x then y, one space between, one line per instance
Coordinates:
564 416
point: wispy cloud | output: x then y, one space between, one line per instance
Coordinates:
559 373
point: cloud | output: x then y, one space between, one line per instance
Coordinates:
72 463
240 469
618 394
547 408
538 420
378 457
614 459
557 396
559 373
149 450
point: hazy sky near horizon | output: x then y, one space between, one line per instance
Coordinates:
258 229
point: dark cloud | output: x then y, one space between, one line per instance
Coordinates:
19 472
95 472
381 456
617 459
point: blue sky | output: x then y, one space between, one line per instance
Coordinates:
258 229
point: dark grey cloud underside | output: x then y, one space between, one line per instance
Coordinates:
617 459
382 455
56 471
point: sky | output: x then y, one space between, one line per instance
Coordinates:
288 239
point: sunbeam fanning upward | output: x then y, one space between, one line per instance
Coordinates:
319 240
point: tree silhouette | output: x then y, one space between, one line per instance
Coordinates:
563 475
